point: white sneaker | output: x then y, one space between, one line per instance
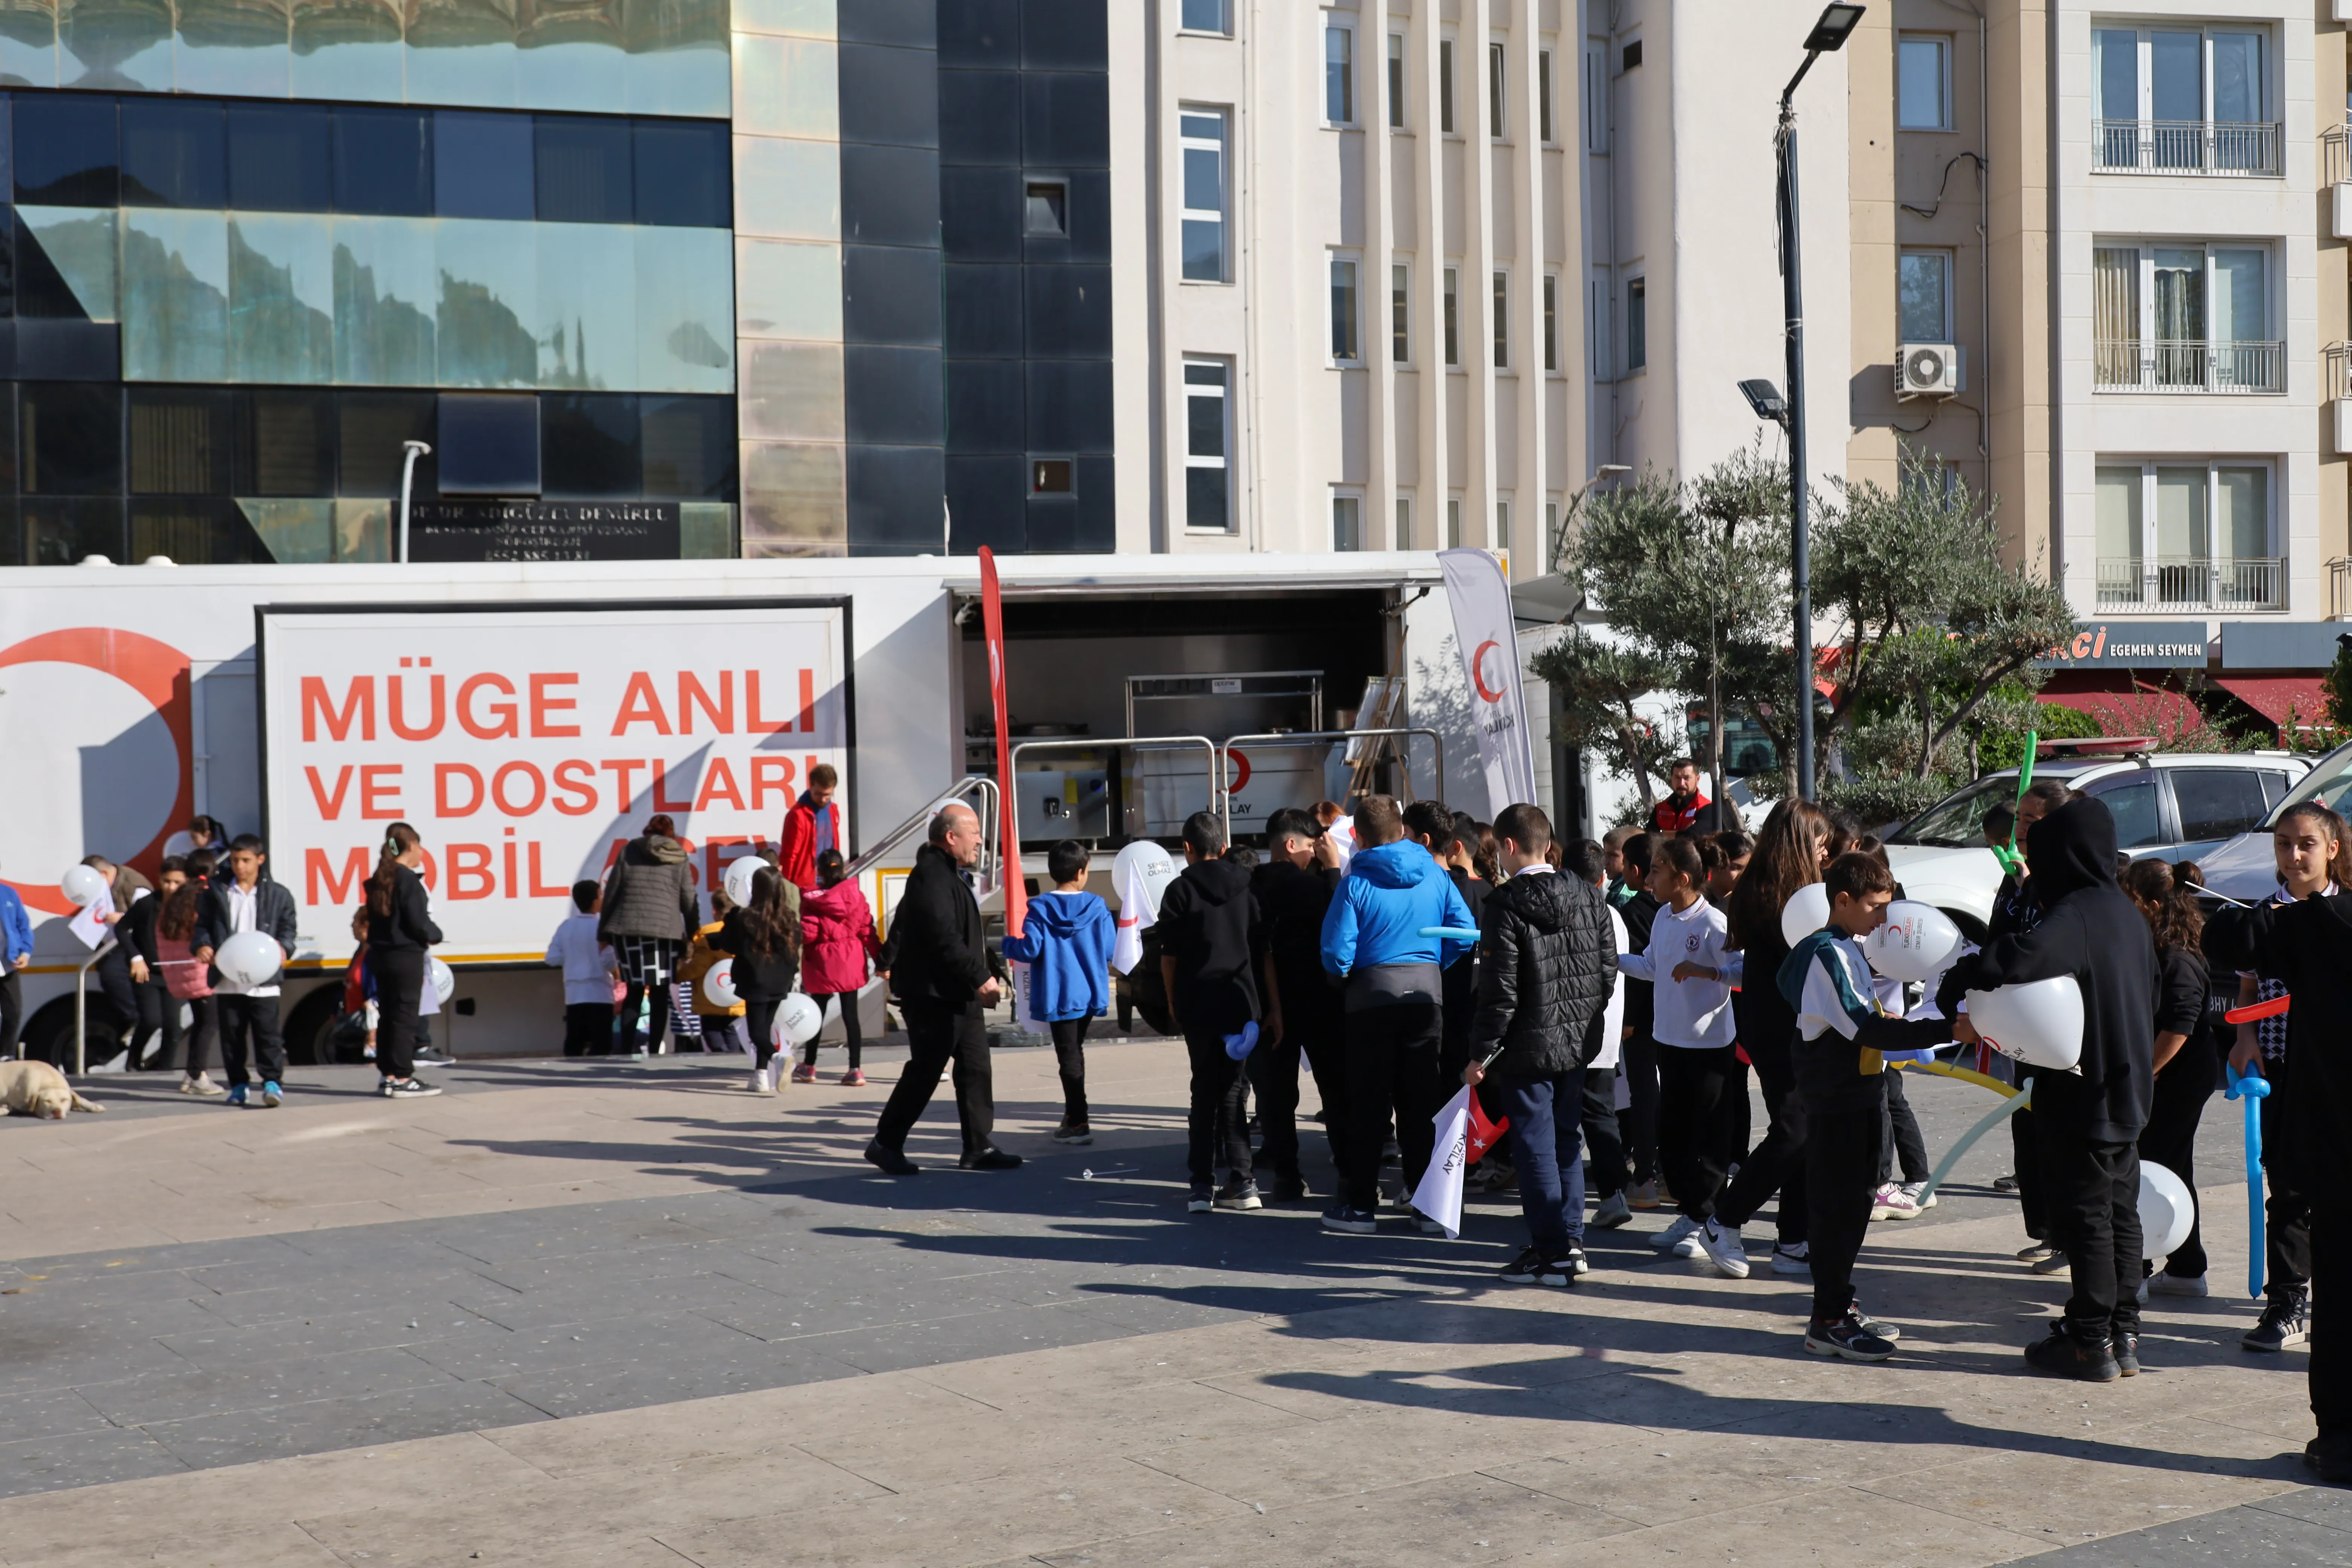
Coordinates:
1613 1211
1918 1194
1671 1239
1891 1201
1793 1260
761 1081
2168 1284
1724 1250
201 1086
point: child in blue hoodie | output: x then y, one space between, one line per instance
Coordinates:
1066 943
1394 1022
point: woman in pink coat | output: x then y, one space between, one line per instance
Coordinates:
836 939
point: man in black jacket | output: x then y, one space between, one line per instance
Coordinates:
1293 891
1547 962
245 901
2089 1120
1209 934
938 965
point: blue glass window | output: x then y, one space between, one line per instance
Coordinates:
384 161
66 149
280 158
488 445
173 154
683 179
589 445
481 164
584 170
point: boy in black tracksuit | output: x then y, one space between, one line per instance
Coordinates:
2089 1120
1637 907
1293 891
2308 946
1210 932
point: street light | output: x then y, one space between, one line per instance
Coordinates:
1830 33
410 451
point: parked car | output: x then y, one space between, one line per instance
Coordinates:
2244 868
2170 805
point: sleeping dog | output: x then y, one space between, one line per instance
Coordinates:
37 1088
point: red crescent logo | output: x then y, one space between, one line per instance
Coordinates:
158 672
1241 773
1478 670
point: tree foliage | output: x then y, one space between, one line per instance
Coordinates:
1600 689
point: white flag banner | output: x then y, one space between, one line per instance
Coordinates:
1489 637
89 922
1440 1194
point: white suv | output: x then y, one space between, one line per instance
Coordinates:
2174 806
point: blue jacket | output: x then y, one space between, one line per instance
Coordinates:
1066 943
1389 894
16 930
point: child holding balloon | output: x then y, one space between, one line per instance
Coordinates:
764 938
239 903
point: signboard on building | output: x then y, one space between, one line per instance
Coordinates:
543 530
528 744
2131 645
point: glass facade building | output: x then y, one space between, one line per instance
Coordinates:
829 276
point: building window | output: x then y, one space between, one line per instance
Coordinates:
1400 314
1452 323
1047 208
2182 101
1202 139
2187 535
1346 522
1404 522
1498 90
1598 324
1923 85
1453 523
1543 96
1924 297
1207 17
1345 347
1396 81
1208 445
1551 536
1502 320
1596 97
1632 57
1551 323
1637 324
1052 477
1338 74
1445 86
1503 525
2173 318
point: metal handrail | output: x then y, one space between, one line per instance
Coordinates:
81 1007
1096 744
990 815
2186 147
1224 802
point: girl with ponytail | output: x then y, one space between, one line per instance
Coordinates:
400 929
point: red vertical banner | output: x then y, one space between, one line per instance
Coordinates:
992 625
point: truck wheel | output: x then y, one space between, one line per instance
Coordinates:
310 1028
49 1033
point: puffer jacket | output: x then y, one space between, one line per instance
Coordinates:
1547 963
650 892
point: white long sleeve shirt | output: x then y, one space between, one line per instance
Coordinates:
588 966
1689 1013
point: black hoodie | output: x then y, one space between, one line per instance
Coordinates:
1208 924
1291 903
2090 929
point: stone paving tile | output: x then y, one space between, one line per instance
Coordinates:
257 1382
670 1378
82 1458
242 1437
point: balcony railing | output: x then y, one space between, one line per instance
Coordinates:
2191 582
2185 147
2139 364
2339 588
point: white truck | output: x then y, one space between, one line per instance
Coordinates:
526 717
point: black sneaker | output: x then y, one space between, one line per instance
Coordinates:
1353 1222
2070 1352
1239 1193
2330 1457
990 1159
890 1162
1074 1132
1525 1268
2127 1354
1203 1200
1847 1339
409 1088
1289 1189
2285 1320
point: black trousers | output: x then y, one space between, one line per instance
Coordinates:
1217 1129
1070 1060
938 1034
2287 1213
12 1012
1694 1146
399 987
1640 1068
1604 1150
1904 1148
203 1033
760 1018
1391 1067
1843 1148
2331 1307
2025 1147
248 1030
587 1029
850 1037
1778 1162
1273 1072
159 1014
2169 1140
117 994
2093 1196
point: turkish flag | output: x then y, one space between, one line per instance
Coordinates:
1484 1134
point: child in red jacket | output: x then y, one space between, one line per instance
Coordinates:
836 940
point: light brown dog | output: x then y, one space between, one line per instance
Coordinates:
37 1088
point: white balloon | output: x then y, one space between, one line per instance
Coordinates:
248 958
739 872
1918 941
2167 1210
718 984
1807 911
797 1021
445 979
83 885
1146 867
2038 1023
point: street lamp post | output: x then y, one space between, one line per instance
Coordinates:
1830 33
410 452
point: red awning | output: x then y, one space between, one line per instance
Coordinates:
2280 699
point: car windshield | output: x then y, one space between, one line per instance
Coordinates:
1958 822
2330 784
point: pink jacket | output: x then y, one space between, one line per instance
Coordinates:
836 937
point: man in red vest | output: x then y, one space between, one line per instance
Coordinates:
812 827
1684 811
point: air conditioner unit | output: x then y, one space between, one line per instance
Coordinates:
1928 370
